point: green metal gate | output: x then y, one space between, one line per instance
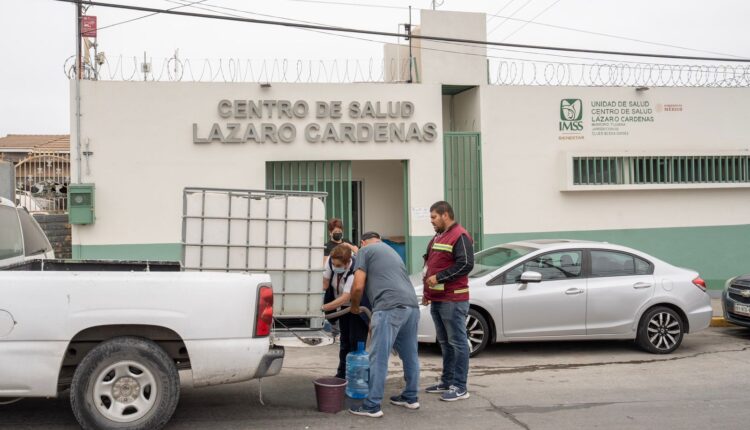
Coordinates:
462 166
332 177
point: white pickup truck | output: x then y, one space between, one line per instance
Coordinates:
116 334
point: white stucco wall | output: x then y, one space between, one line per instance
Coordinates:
383 196
144 155
467 111
451 63
524 164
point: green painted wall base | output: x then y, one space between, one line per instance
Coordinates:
149 251
716 252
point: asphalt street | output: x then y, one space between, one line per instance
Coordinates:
570 385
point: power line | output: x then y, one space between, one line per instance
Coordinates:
212 8
402 35
380 6
531 21
490 16
146 16
511 16
526 22
615 36
496 14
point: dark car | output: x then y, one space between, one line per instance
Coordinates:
736 300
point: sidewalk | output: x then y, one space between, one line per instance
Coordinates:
718 319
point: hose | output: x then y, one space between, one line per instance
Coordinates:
346 311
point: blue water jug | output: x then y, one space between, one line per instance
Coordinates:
358 372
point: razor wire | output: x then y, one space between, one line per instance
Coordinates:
542 73
175 69
507 72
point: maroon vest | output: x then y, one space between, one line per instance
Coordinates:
439 258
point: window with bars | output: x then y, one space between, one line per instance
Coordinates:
658 169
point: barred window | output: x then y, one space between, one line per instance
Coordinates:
699 169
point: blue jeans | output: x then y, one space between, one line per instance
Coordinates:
393 328
450 329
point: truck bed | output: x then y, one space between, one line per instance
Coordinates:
59 265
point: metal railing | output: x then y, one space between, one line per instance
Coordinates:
42 182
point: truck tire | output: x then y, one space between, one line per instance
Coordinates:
125 383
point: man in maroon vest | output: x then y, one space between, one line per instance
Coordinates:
449 259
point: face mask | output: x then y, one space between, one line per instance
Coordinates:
337 236
339 270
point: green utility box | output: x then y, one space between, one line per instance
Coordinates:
81 203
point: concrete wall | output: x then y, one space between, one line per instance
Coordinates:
57 229
467 111
396 61
383 196
450 63
144 155
524 159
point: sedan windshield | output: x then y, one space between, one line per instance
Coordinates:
491 259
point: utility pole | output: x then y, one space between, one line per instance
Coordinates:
411 59
79 18
79 15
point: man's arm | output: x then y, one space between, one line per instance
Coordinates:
463 255
358 288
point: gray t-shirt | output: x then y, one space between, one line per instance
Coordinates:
388 285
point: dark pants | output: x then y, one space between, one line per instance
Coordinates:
353 330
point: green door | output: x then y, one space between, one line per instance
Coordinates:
462 164
332 177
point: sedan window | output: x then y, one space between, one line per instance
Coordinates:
610 263
553 266
491 259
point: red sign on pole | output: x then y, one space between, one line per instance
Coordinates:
88 26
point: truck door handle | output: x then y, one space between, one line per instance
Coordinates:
641 285
573 291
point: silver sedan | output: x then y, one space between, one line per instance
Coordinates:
571 290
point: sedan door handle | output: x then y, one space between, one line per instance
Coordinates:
574 291
642 285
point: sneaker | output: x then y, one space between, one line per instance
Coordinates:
403 401
454 394
437 388
366 412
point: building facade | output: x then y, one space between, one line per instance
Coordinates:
662 169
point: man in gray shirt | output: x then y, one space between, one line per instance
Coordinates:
381 274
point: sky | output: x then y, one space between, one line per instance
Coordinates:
38 36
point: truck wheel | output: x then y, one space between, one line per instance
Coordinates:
125 383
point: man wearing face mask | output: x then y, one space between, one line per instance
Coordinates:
336 233
339 277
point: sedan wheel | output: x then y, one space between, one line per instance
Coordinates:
660 331
477 332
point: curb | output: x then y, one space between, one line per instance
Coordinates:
721 322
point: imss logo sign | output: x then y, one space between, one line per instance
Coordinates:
571 115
